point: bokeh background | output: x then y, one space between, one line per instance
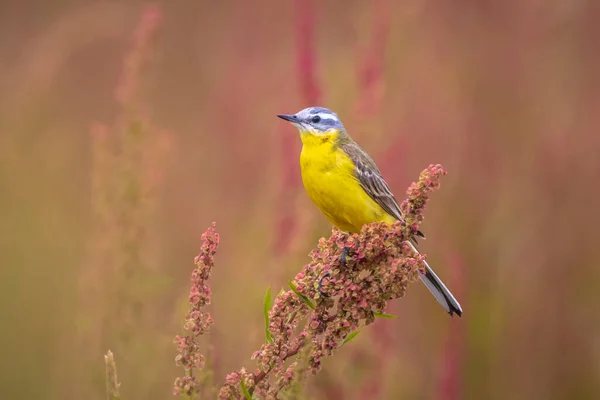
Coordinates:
126 128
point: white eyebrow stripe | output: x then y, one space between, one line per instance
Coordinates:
327 116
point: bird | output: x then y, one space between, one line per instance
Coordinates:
343 181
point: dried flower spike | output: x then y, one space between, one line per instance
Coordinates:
364 271
197 320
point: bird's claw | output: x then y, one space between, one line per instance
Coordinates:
325 276
343 256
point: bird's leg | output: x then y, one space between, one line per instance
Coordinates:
345 252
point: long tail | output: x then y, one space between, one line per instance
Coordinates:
439 290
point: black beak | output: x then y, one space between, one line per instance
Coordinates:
288 117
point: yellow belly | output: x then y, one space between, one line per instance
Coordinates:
328 177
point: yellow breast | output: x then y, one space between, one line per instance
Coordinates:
328 177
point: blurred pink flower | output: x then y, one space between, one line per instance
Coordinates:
141 51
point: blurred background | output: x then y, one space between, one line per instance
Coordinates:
126 128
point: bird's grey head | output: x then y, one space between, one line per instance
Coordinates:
315 120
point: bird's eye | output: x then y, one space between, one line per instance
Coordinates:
316 119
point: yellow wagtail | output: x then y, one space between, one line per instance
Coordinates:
346 185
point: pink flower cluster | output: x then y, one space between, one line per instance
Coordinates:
378 268
360 273
197 320
418 193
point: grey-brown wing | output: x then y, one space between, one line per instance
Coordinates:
372 182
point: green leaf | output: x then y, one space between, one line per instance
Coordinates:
303 297
382 315
351 336
267 306
247 394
